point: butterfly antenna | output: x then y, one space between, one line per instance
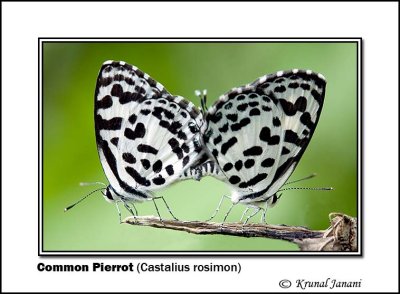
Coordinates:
91 184
203 99
80 200
307 188
302 179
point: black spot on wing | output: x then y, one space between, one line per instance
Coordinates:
139 132
255 150
285 150
128 157
232 117
117 90
145 112
158 180
280 89
185 160
292 137
185 148
114 141
242 107
305 119
137 177
317 96
104 103
253 96
290 109
147 149
266 108
174 127
119 77
132 118
249 163
228 144
228 105
276 122
129 81
253 181
169 169
243 122
181 135
265 135
175 147
217 140
111 124
216 117
145 163
238 165
104 82
268 162
157 166
168 114
266 98
157 112
254 112
293 85
227 167
224 128
234 180
254 103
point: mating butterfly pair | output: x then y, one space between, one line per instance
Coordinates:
252 138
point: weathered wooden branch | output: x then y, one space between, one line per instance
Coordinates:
340 236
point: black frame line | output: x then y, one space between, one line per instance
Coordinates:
207 253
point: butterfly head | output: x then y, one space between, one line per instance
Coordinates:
271 201
110 195
255 198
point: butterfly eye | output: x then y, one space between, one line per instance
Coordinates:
108 194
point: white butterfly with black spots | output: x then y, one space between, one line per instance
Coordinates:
256 134
145 136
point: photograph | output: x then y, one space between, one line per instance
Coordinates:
199 146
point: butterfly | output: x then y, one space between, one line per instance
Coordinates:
256 134
145 136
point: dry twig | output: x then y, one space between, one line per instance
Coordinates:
340 236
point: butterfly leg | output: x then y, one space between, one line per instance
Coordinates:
119 212
130 209
256 210
244 213
263 215
227 213
134 207
158 212
218 207
169 209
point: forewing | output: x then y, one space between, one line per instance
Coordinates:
145 136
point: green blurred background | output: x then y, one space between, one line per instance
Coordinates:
70 155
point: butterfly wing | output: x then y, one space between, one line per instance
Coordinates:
257 133
145 136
